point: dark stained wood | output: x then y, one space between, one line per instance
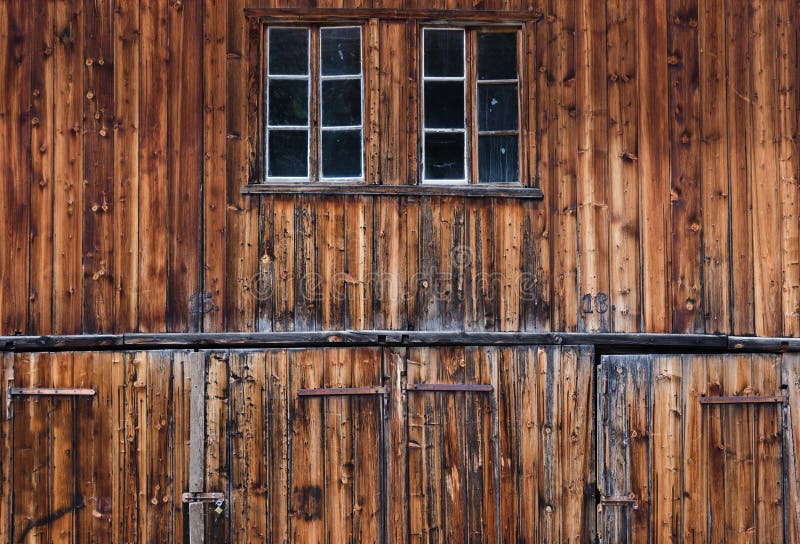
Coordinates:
329 14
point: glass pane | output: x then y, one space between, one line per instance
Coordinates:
288 51
341 51
444 53
444 156
341 102
497 56
341 153
498 159
288 102
497 107
444 104
288 153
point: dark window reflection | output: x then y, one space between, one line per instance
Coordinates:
341 51
444 156
444 104
288 153
341 153
497 107
341 102
497 55
288 51
288 102
444 53
498 159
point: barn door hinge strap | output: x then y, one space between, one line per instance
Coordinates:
341 391
202 496
629 500
745 399
42 392
468 387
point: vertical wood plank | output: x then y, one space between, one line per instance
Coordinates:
769 462
181 434
685 195
390 287
592 150
395 91
306 284
153 182
127 68
243 211
336 444
451 414
417 367
160 469
68 164
763 171
217 460
63 456
562 158
283 248
667 452
508 242
6 446
717 455
98 171
738 54
551 481
739 445
184 166
613 452
696 465
577 403
307 449
279 451
398 445
369 496
40 306
358 291
623 172
521 495
790 371
640 421
480 296
331 248
653 136
214 164
713 157
788 148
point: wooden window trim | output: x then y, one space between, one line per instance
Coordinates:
369 20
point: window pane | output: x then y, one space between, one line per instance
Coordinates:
288 153
444 104
288 102
444 156
341 153
341 51
444 53
288 51
497 55
498 159
497 107
341 102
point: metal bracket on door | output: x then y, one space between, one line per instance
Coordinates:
746 399
629 500
444 387
12 392
341 391
201 496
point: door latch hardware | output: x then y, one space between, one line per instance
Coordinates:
468 387
745 399
202 496
341 391
12 392
629 500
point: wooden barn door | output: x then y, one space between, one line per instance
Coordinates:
691 448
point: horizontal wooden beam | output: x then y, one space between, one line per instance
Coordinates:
339 189
745 399
312 15
649 342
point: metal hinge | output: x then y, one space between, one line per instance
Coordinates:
12 392
445 387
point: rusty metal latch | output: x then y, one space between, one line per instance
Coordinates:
467 387
746 399
341 391
629 500
203 496
12 392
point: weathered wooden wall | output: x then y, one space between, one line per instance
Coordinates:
512 465
664 139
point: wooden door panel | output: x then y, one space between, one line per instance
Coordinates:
698 471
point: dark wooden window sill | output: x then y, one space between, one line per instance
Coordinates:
337 189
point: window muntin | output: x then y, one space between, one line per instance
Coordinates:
470 114
314 79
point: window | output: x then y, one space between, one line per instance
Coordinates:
314 104
470 109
